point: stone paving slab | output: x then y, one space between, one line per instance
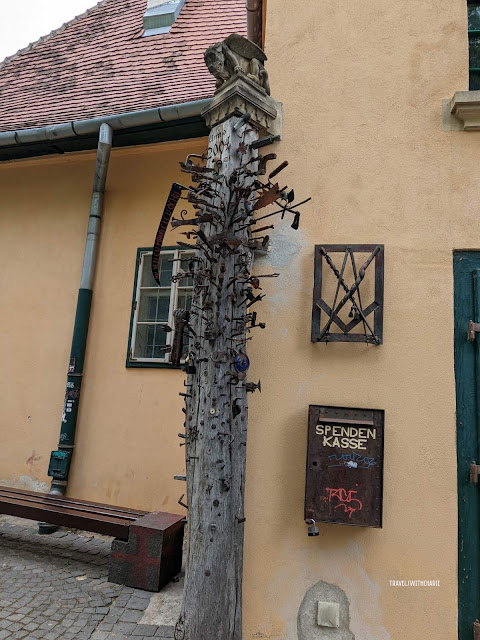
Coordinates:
56 586
165 606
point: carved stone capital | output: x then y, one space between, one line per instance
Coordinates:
240 95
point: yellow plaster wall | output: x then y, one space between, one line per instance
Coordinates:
362 85
126 450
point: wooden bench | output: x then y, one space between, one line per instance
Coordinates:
147 550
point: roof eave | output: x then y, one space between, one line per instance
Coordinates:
45 140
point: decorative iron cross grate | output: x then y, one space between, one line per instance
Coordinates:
369 318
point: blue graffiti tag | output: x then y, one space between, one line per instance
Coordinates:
352 460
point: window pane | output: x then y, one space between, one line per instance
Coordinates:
148 340
184 300
154 306
158 353
164 271
474 81
474 43
148 306
185 282
474 16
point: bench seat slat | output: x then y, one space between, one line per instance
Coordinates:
72 501
106 525
70 506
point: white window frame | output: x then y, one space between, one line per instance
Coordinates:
174 287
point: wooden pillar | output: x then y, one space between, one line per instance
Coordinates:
216 402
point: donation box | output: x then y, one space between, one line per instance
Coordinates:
344 483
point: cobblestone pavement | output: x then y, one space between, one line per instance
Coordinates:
56 586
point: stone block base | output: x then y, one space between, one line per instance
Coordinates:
152 555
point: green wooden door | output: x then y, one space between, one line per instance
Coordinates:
467 375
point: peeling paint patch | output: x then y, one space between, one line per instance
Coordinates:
364 594
308 627
286 246
279 299
25 482
286 253
286 256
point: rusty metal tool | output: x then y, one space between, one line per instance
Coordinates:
251 386
270 226
255 299
276 171
242 121
180 319
268 196
263 142
282 210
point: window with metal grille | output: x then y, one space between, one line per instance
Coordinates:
474 44
153 306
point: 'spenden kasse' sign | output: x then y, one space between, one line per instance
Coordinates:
344 480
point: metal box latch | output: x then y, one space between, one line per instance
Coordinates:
474 473
473 328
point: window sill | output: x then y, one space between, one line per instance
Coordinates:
465 109
130 364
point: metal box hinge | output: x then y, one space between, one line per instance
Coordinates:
473 328
474 473
476 630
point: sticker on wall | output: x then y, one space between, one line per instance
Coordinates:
241 363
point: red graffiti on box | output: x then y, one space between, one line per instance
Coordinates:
345 499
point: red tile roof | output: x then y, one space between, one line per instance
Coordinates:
98 64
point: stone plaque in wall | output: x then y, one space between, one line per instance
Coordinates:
344 480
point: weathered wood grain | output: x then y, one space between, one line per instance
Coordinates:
216 418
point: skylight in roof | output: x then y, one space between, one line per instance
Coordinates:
160 15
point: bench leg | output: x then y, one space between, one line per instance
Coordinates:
151 556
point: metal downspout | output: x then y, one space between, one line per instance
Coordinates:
60 459
255 9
